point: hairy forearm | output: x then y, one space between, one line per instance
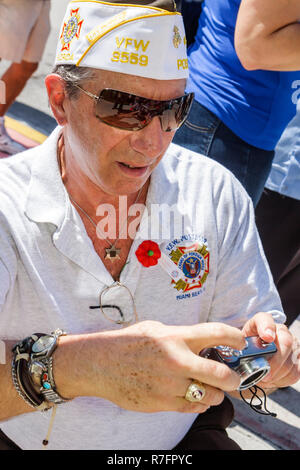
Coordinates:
71 360
76 367
133 367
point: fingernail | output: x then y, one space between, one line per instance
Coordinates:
271 333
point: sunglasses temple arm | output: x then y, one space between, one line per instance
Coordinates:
91 95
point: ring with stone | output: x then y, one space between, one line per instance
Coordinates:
195 392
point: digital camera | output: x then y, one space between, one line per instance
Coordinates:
251 363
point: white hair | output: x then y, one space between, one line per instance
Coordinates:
73 75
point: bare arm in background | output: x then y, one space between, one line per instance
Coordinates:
267 35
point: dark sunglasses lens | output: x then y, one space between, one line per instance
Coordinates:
130 112
122 110
174 116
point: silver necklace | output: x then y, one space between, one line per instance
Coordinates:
112 253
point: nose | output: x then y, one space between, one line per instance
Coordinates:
151 140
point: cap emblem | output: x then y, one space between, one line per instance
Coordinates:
71 29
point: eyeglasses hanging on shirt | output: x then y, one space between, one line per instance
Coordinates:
123 314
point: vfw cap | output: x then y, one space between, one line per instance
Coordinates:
141 38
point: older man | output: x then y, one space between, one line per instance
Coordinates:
118 97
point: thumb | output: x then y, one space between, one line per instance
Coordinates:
262 325
205 335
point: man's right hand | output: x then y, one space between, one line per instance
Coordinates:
148 366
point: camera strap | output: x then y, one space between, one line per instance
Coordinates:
261 407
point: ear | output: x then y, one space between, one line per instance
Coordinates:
57 96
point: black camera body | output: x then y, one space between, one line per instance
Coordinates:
250 363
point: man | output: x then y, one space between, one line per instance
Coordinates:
141 386
24 29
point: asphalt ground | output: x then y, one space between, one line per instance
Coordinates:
29 121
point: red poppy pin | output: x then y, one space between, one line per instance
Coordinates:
148 253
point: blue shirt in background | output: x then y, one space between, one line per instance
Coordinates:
255 105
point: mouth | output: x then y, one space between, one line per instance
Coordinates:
132 169
128 165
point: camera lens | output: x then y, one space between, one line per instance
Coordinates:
252 371
253 379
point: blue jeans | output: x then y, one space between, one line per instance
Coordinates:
205 133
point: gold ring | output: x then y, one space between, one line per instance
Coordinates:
195 392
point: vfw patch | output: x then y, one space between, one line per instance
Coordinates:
193 262
71 29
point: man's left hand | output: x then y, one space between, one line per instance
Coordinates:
285 364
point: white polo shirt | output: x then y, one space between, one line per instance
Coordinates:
50 275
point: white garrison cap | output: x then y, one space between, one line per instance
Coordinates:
144 38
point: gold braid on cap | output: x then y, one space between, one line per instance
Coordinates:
168 5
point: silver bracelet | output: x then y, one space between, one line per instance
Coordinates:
17 371
41 367
48 388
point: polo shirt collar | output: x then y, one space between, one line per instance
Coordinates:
46 198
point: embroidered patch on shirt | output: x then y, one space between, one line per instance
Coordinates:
191 260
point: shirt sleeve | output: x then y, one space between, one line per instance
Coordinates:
244 284
8 262
4 284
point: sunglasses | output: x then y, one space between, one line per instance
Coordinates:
133 113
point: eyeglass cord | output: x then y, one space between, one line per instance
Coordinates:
261 408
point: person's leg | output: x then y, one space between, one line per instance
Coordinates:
249 164
278 223
2 91
23 44
288 288
208 431
198 131
15 79
39 33
6 443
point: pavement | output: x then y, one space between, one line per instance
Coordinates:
29 121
